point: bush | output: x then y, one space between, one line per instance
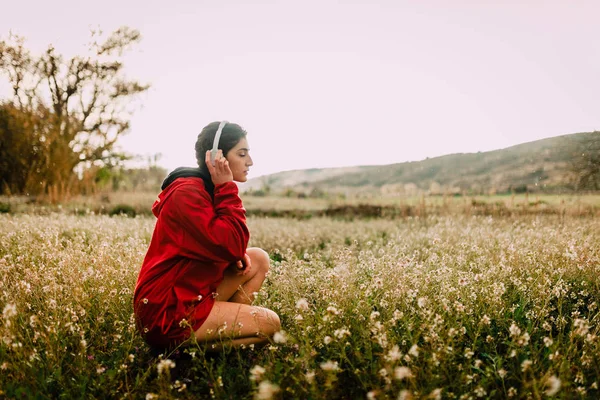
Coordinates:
520 189
4 208
123 209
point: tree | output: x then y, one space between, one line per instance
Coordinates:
585 161
22 152
70 111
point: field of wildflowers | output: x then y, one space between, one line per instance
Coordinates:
456 306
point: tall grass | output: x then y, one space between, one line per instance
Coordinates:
436 307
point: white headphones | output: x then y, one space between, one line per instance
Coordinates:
215 149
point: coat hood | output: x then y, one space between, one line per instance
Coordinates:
172 181
183 172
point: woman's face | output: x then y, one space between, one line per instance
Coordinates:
239 160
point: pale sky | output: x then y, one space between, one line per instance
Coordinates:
319 83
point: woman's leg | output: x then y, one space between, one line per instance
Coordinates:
237 324
232 318
240 288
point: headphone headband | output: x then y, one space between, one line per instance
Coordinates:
215 149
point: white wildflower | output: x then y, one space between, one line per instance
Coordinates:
552 385
256 373
546 326
469 353
581 327
332 310
480 392
414 351
404 395
279 337
330 366
436 394
401 373
514 330
164 366
398 315
302 305
394 354
340 333
523 339
10 310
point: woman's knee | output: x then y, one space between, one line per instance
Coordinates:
260 259
274 321
268 321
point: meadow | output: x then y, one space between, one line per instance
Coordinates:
431 305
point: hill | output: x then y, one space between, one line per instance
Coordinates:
539 166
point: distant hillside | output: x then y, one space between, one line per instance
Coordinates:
542 165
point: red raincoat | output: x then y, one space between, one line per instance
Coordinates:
195 239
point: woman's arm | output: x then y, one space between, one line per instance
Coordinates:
210 231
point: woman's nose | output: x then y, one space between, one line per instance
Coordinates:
250 162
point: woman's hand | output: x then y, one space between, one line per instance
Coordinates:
244 265
220 172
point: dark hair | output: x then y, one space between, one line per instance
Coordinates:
230 136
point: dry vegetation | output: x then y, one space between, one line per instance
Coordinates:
432 306
140 203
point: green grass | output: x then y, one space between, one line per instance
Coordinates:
460 306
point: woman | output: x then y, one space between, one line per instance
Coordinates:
198 277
